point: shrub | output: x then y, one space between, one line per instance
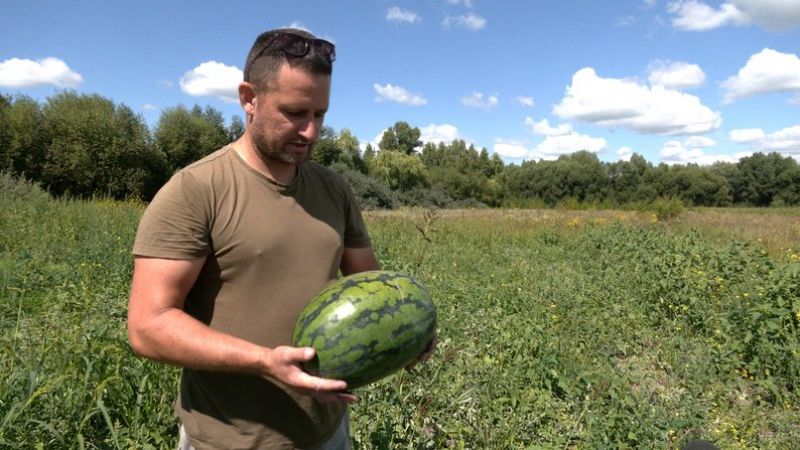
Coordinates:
666 208
369 192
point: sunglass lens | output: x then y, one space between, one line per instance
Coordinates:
295 45
326 49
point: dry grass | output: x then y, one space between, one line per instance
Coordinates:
776 229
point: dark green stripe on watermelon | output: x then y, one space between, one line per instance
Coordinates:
366 326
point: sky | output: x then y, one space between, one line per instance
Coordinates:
676 81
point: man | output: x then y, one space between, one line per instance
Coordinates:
233 247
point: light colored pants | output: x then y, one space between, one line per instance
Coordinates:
340 440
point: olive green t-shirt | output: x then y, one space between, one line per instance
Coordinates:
269 249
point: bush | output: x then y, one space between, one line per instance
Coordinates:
369 192
525 203
666 208
20 189
436 196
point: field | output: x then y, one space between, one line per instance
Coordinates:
558 330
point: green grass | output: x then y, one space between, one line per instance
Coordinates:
557 330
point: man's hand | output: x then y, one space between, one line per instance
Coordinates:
283 364
426 354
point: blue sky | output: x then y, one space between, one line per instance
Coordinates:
676 81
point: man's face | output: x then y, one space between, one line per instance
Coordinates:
288 117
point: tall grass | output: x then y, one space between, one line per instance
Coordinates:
68 377
559 329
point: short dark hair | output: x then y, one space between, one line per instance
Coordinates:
262 65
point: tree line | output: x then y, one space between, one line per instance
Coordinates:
85 145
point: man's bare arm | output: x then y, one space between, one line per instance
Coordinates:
159 329
355 260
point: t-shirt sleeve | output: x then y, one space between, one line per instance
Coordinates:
355 233
175 225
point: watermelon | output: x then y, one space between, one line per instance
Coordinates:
366 326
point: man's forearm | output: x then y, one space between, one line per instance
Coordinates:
174 337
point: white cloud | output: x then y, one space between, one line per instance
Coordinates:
649 3
398 94
467 3
746 135
554 146
694 15
439 133
675 152
396 14
700 142
299 26
150 107
543 127
786 141
525 101
614 102
510 149
24 73
375 141
470 21
625 153
476 100
766 71
213 79
433 133
675 75
771 14
625 21
550 148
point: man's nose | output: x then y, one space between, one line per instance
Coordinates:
309 129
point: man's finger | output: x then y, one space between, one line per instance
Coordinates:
294 354
317 384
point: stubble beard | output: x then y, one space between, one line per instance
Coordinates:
270 153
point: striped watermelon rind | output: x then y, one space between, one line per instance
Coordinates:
366 326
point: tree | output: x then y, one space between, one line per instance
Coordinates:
789 180
580 176
630 181
22 151
236 128
185 136
351 151
369 155
326 152
5 133
461 171
401 137
400 171
760 179
693 184
95 147
369 192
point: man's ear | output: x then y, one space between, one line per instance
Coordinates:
247 97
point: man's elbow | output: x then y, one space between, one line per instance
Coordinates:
136 340
140 338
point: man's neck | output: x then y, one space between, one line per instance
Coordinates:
277 171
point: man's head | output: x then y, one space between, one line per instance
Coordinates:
285 94
298 48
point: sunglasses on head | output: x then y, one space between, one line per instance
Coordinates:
298 46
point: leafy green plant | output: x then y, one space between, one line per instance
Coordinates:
557 330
